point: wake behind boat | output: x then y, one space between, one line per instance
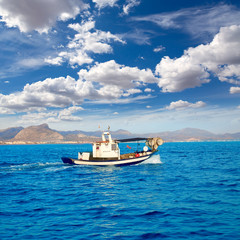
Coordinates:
107 152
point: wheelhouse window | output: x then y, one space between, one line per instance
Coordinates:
114 147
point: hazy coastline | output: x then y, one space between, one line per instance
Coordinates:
43 134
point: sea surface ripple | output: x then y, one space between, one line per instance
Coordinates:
191 192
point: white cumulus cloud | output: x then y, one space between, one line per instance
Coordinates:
179 74
221 57
185 104
54 61
114 74
57 92
37 15
229 73
88 40
104 81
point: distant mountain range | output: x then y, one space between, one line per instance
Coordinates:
43 134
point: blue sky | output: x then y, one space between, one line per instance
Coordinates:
140 65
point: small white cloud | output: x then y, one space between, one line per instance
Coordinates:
54 61
131 92
148 106
178 105
105 3
148 90
129 5
115 113
159 49
71 118
234 90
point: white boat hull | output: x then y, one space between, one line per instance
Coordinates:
121 162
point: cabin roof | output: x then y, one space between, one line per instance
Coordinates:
132 139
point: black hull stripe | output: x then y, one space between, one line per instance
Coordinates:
122 162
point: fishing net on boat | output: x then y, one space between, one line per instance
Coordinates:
153 143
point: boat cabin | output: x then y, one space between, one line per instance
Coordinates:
107 148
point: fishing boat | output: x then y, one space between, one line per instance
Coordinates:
107 152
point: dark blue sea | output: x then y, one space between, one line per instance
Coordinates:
189 191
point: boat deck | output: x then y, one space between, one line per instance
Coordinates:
122 156
133 155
